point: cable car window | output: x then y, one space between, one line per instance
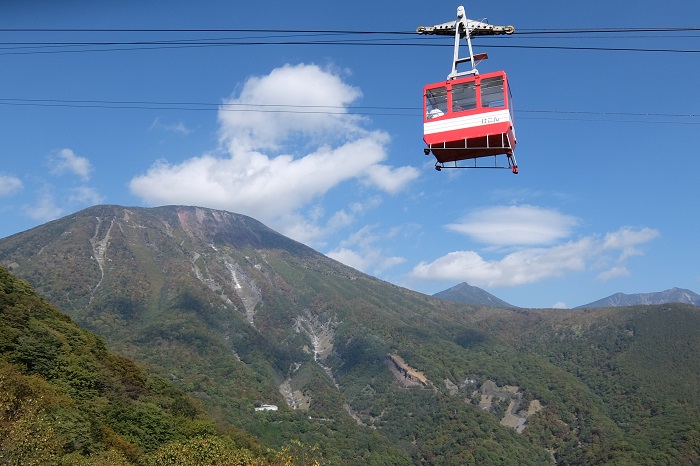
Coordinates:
436 102
463 96
492 92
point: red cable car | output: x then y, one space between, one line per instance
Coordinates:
469 115
468 118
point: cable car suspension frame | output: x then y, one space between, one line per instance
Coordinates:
472 134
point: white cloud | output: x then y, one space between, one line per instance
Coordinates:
274 187
66 161
45 208
51 202
627 239
616 271
292 101
516 225
311 229
349 258
360 251
85 195
178 127
371 261
391 180
559 305
9 185
530 265
256 184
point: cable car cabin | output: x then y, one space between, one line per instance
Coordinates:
468 118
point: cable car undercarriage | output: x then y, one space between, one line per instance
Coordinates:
488 146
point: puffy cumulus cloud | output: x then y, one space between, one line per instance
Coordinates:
255 184
273 188
9 185
530 265
518 268
516 225
66 161
292 101
391 180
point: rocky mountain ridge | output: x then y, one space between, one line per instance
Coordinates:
468 294
673 295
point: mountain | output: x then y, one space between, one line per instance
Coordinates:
674 295
366 372
465 293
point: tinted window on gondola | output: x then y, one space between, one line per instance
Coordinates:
492 92
463 96
436 102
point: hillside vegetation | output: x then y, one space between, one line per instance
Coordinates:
366 372
65 399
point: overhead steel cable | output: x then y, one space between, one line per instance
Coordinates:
235 40
352 43
522 31
350 31
202 106
591 48
413 112
27 48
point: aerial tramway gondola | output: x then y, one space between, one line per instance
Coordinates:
468 116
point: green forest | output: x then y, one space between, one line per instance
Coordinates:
66 400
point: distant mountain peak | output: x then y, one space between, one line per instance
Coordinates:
673 295
466 293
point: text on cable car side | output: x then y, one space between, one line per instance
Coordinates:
468 116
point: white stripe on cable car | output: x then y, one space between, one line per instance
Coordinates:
467 121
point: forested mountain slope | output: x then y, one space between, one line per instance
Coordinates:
65 399
238 315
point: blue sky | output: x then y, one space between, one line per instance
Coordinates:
606 200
